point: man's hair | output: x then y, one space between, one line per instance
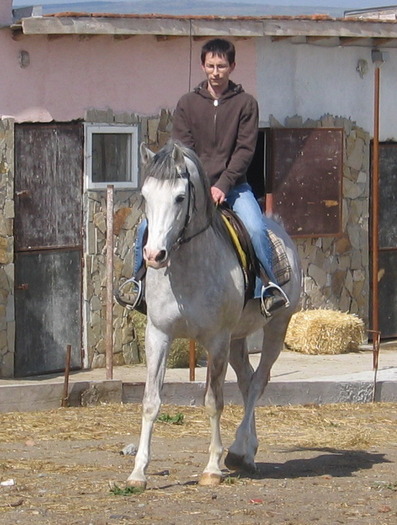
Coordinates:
219 47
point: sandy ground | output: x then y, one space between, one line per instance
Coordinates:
326 465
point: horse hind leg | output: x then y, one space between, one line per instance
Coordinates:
239 360
217 365
243 450
157 345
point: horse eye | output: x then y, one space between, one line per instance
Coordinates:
179 199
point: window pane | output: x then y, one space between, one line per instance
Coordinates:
110 157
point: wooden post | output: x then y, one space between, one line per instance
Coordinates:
109 283
65 397
192 360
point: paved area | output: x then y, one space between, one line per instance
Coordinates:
290 366
296 379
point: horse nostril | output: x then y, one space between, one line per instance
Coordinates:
161 256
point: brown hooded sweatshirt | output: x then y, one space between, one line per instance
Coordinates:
222 132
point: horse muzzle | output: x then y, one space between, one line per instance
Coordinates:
156 258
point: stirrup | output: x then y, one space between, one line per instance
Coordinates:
266 310
137 292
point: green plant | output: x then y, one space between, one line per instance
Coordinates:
173 420
126 491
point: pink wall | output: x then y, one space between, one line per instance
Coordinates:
5 12
68 75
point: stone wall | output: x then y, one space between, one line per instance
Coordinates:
154 131
7 312
335 269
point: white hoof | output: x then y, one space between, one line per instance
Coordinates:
136 483
209 479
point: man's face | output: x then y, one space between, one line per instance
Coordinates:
217 70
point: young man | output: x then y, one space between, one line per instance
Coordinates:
219 121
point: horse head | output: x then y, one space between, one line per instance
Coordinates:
169 200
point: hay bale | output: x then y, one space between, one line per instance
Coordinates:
324 332
179 351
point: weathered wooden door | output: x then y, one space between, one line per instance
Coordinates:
48 246
388 239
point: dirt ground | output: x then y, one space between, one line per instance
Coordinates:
325 465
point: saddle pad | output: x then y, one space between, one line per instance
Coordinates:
281 266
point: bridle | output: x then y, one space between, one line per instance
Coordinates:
191 207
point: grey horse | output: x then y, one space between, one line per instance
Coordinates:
195 290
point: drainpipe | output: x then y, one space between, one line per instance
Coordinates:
377 59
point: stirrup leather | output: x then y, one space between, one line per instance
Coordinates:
137 292
272 286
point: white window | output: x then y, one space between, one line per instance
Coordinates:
111 156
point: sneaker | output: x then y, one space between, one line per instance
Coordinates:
130 293
272 298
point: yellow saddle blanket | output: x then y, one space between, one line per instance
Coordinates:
242 244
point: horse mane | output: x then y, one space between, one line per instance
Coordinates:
163 167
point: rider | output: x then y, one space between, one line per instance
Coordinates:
219 121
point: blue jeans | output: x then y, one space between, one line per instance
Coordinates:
138 247
244 204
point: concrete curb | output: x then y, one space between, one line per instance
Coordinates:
28 397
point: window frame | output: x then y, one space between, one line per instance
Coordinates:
132 155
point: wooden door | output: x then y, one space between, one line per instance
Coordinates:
388 239
48 246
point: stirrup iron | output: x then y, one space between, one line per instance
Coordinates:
138 292
272 286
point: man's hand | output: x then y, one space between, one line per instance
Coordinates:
217 195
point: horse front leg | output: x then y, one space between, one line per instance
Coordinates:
156 348
217 365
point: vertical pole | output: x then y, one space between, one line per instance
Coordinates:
192 360
65 397
375 208
109 283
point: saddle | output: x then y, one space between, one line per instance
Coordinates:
250 266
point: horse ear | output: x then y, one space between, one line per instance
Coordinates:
177 155
146 154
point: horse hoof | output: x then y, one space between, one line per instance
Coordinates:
209 479
137 484
236 462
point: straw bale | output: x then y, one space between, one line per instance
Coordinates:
324 332
179 351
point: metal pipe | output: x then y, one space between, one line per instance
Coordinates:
375 207
109 283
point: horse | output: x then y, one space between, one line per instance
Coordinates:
195 289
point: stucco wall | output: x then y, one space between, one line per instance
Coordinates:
68 75
141 74
313 80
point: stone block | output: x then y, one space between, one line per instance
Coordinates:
102 392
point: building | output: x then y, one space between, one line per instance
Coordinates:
76 88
